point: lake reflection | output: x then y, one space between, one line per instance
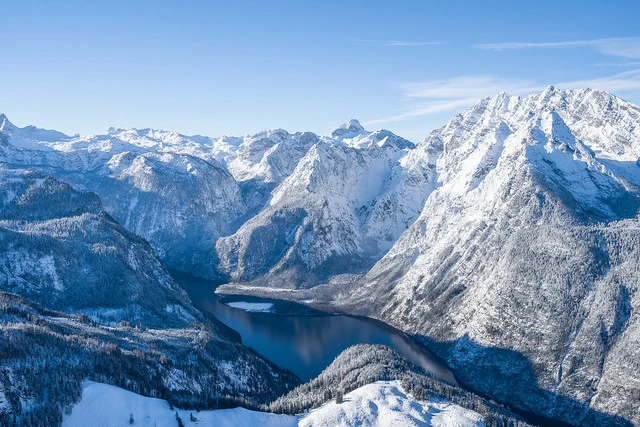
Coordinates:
305 342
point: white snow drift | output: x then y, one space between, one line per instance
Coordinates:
378 404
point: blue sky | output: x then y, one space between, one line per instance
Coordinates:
232 68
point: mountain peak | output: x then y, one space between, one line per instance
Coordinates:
5 124
353 126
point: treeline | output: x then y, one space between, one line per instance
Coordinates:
46 355
133 326
37 197
60 249
364 364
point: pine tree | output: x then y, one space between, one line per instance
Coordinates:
179 420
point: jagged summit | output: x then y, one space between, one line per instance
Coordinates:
5 124
28 134
606 124
352 127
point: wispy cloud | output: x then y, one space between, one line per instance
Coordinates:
399 43
466 87
426 109
451 95
626 47
518 45
618 64
447 95
621 83
406 43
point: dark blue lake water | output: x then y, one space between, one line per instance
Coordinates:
303 340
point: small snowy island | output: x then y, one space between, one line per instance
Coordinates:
262 307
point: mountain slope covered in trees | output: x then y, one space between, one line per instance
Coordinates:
83 298
365 385
364 364
46 355
62 250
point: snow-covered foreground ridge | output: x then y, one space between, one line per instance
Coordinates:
383 403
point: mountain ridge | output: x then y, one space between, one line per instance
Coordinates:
514 223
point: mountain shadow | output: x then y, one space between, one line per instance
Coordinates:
508 377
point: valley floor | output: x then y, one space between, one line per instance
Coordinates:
383 403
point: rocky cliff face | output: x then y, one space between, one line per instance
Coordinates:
339 211
524 262
508 238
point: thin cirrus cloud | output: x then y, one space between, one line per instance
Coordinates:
399 43
406 43
625 47
627 82
445 95
618 64
450 95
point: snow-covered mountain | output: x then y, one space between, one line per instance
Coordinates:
183 194
339 211
60 248
509 238
524 263
522 267
160 185
82 297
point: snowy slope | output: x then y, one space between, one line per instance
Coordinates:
107 405
384 403
513 229
180 203
378 404
340 209
61 249
268 156
524 261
